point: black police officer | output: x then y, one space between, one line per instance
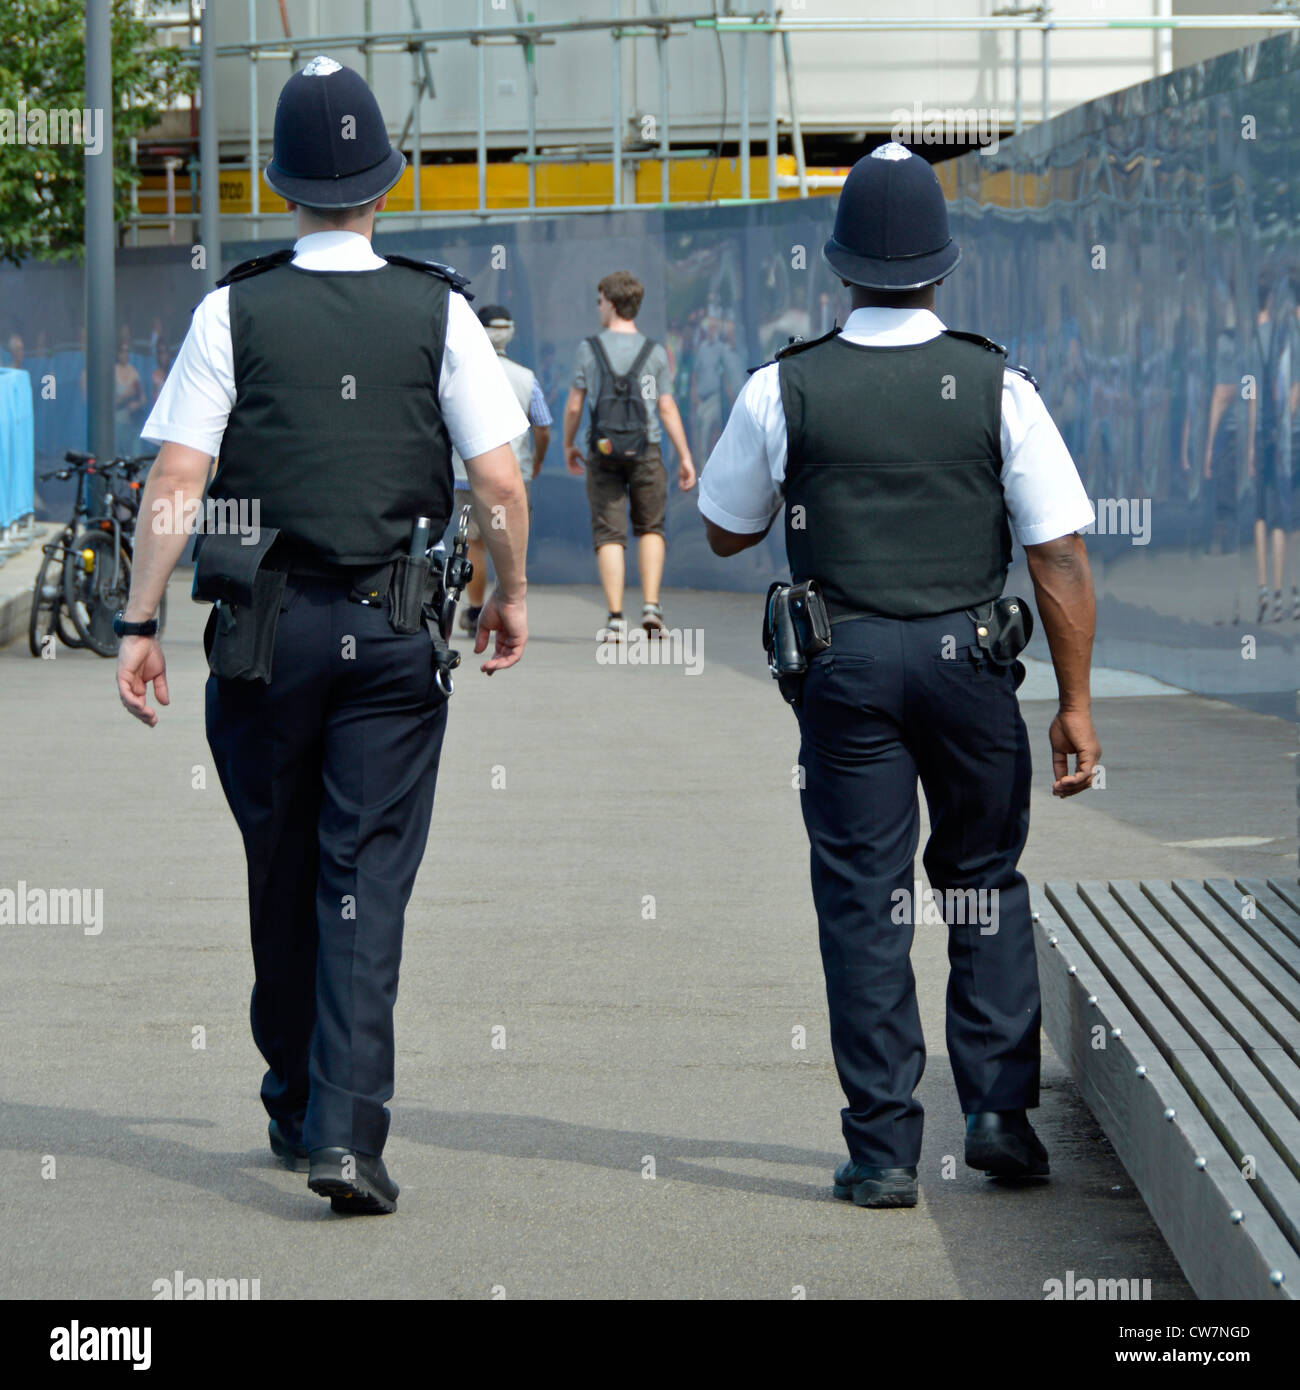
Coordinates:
333 384
905 456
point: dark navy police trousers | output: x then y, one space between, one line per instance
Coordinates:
330 773
892 701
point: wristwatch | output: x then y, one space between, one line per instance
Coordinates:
121 628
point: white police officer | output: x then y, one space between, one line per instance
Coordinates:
906 456
332 385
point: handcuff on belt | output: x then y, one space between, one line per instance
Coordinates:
445 585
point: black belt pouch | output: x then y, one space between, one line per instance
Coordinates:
1003 628
406 593
1002 631
246 595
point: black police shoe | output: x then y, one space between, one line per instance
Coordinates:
866 1186
1002 1143
356 1184
293 1156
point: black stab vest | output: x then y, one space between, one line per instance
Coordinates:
893 481
336 429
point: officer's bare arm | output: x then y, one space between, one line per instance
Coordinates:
723 542
1063 591
502 507
172 495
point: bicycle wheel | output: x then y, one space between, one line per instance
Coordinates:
49 615
93 592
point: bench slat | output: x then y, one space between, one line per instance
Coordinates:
1184 1023
1190 1205
1280 963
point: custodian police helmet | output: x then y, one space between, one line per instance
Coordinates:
331 145
891 226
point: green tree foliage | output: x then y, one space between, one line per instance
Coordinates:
43 68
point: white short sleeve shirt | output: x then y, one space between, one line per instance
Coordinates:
742 484
477 403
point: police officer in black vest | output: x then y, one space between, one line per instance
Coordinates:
331 384
906 456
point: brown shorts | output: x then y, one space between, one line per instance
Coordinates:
612 485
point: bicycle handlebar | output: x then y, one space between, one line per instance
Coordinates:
137 464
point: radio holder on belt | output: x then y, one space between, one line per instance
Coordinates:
445 584
796 627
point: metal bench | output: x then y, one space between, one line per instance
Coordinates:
1177 1008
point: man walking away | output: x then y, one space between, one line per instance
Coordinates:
629 378
529 448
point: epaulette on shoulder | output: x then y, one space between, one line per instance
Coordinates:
453 277
982 341
978 338
1027 374
257 266
797 345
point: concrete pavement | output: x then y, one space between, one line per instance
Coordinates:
615 895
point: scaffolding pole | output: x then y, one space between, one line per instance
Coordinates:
254 124
480 152
796 130
771 115
661 41
661 26
744 116
616 59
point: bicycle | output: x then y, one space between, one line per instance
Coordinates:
47 593
94 565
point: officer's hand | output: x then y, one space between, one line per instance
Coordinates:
510 623
573 460
686 475
139 661
1072 732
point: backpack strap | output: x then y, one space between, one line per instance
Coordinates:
602 357
642 357
453 277
257 266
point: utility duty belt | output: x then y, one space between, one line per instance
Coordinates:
797 626
246 583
